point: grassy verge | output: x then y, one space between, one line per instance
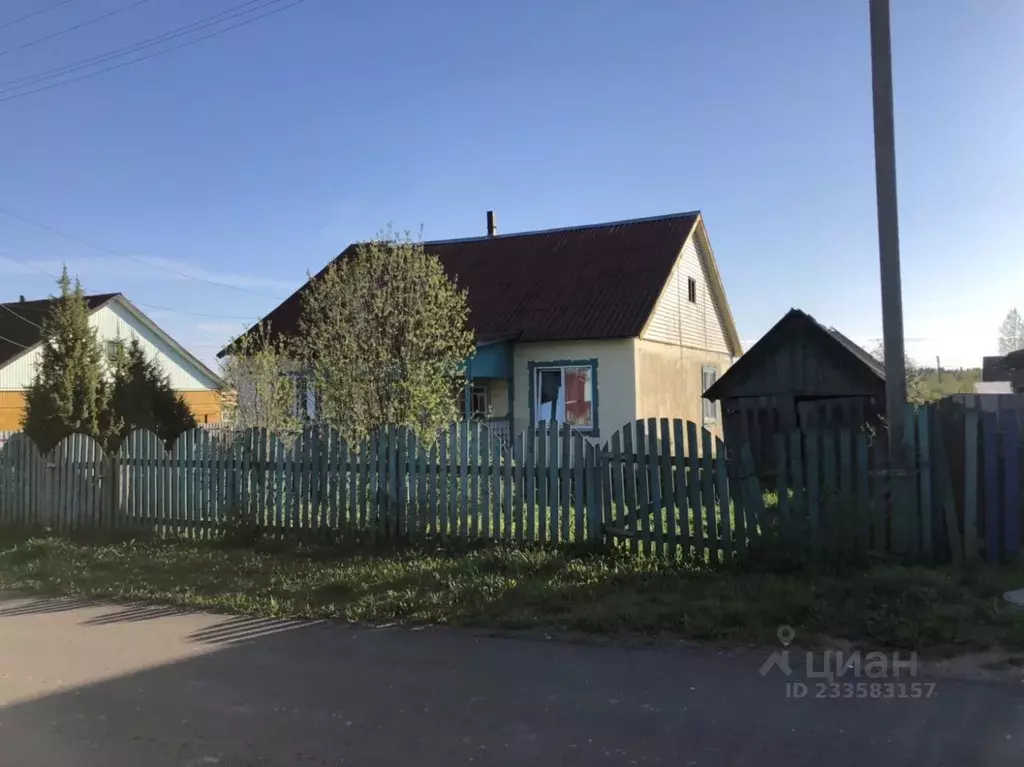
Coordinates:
935 612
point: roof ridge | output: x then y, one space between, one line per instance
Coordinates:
577 227
87 296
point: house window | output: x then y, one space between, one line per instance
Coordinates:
479 401
691 289
565 393
708 375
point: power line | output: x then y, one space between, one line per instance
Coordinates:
23 319
102 249
12 22
5 338
225 15
51 74
45 273
72 28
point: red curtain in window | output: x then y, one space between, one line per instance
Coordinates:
577 407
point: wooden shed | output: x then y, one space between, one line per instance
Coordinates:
799 375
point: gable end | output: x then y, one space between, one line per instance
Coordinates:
702 323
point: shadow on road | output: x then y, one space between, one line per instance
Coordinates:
237 691
41 606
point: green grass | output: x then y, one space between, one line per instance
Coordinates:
936 612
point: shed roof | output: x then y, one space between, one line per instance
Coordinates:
581 282
794 321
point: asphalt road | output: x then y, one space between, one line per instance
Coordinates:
104 686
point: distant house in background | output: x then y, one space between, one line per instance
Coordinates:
993 387
800 374
1002 374
593 326
115 319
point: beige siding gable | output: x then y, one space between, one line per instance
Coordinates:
675 320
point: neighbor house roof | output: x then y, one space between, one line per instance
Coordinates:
794 321
21 327
21 323
581 282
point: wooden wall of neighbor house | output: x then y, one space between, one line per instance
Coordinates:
758 420
205 406
669 382
12 408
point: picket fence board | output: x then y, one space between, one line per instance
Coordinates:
990 493
694 486
1011 482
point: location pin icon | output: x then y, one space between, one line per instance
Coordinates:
786 634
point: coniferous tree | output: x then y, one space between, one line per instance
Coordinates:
142 398
69 393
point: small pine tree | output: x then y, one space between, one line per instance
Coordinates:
142 397
69 393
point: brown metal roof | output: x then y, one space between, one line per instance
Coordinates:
20 323
585 282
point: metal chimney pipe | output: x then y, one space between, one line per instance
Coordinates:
492 224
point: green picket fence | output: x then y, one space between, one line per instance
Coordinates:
464 484
655 488
550 486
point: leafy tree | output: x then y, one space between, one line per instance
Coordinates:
142 397
918 390
1011 333
69 393
384 334
260 382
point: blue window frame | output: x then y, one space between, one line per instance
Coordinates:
565 391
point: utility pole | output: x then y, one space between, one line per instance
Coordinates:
888 226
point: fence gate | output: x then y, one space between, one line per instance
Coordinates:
672 488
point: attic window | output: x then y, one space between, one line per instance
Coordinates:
691 289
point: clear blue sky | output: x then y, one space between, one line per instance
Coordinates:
257 155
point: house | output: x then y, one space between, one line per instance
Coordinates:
115 318
594 326
799 374
1002 374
